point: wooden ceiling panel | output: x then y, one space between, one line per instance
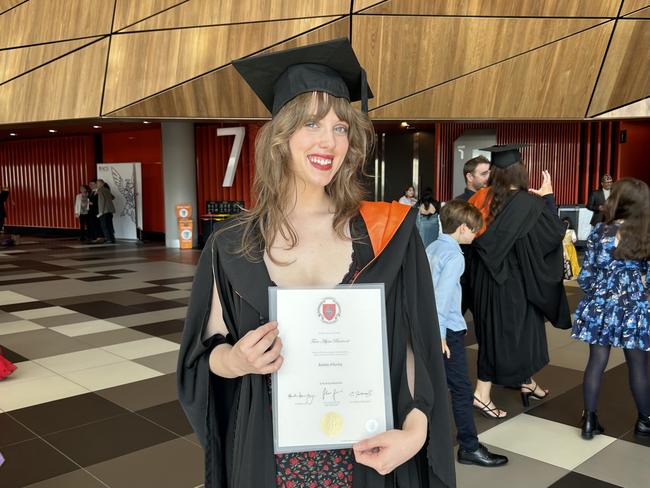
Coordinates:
633 5
7 4
554 81
361 4
222 93
640 14
624 78
140 64
211 12
69 88
14 62
128 12
39 21
419 60
499 8
633 110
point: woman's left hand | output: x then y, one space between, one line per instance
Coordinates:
388 450
547 186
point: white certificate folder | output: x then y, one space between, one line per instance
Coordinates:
333 388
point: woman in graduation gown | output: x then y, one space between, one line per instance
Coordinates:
516 279
309 227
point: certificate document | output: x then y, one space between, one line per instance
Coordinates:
333 388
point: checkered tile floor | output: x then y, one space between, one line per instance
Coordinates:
94 331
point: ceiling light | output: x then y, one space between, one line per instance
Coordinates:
97 126
404 124
146 122
13 134
52 131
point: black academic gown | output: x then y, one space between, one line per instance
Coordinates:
517 283
232 417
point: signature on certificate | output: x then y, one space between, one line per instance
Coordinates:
302 398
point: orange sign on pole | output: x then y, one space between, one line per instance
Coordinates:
185 226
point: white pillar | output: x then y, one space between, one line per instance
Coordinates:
179 177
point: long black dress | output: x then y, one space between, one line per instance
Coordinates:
232 417
516 283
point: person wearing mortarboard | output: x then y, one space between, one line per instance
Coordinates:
516 279
309 227
598 198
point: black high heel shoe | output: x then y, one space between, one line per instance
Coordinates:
532 393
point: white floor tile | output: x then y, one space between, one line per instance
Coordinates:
545 440
38 313
27 393
9 298
18 326
112 375
27 371
83 328
142 348
171 295
80 360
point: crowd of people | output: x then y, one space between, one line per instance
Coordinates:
310 228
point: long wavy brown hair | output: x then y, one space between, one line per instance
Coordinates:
274 180
630 202
501 182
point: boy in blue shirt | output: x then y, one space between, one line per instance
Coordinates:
460 221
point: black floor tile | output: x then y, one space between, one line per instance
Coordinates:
31 461
67 413
161 328
116 271
98 278
12 356
19 307
169 415
153 289
172 281
107 439
157 305
12 432
577 480
102 309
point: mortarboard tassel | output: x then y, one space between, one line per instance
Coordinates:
364 92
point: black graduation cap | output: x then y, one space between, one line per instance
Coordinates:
504 155
330 67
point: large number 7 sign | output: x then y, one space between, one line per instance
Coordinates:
238 132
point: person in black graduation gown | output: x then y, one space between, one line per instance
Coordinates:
309 227
516 279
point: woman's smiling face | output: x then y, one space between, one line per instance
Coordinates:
318 150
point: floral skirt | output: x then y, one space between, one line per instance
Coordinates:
315 469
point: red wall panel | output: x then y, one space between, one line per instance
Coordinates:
44 176
145 147
555 146
212 154
634 154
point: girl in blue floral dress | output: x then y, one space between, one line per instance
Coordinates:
614 311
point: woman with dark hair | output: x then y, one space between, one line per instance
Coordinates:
516 279
614 311
427 222
409 197
310 228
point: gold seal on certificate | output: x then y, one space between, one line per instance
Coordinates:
333 388
331 424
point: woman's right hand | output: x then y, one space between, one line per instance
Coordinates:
258 352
